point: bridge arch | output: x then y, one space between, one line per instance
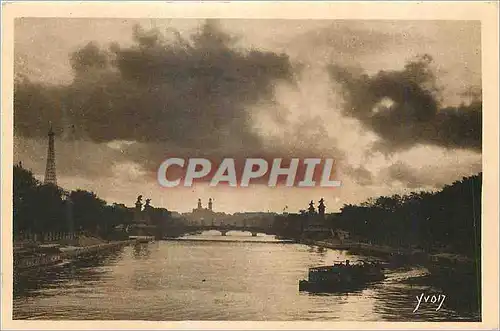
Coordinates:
225 228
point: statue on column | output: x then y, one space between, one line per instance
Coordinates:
321 207
147 209
199 204
210 204
138 208
311 208
138 203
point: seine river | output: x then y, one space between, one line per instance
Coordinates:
210 277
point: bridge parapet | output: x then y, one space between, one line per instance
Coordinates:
223 229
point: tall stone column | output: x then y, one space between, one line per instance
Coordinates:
138 209
69 213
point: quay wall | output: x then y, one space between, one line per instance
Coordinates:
362 247
69 253
75 252
435 263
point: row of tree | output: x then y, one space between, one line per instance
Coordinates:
42 208
447 220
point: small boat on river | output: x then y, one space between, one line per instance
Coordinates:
37 257
341 277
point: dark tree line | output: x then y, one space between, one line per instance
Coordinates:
447 220
42 208
290 225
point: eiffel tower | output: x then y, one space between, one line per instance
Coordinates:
50 170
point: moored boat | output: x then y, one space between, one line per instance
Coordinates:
341 277
40 257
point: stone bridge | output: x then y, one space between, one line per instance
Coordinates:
225 228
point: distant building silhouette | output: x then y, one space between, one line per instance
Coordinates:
138 209
50 170
202 215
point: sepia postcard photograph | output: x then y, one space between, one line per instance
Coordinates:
247 162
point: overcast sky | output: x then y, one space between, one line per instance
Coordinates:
397 104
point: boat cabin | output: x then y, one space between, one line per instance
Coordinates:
334 271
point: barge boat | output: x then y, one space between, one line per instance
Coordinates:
342 277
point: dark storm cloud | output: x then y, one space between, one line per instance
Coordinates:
88 57
191 93
348 39
405 174
169 95
402 107
359 174
429 176
73 157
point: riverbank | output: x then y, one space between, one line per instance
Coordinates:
360 248
456 275
32 256
411 254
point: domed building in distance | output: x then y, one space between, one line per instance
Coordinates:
205 216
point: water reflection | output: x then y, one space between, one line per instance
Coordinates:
321 250
231 236
39 282
214 280
141 250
